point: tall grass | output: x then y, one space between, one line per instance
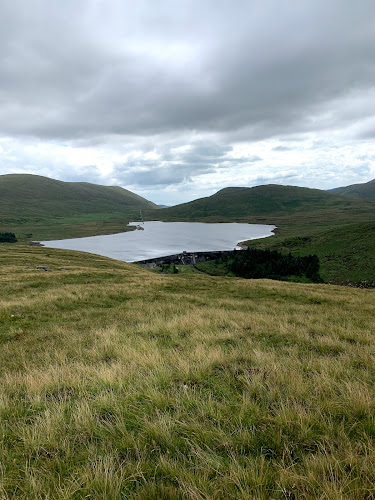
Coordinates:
121 383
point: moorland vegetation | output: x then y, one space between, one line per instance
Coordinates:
254 263
117 382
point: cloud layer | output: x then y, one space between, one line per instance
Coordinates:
177 99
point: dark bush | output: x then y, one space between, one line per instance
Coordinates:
254 263
7 238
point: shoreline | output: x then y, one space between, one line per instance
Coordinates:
242 245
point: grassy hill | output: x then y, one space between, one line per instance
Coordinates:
292 208
364 190
346 253
37 196
120 383
49 208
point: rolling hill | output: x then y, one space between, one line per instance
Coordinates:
288 206
26 195
365 191
346 253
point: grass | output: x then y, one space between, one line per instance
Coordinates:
56 228
346 253
117 382
25 195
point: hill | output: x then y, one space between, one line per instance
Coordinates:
29 195
363 191
117 382
289 206
346 253
50 209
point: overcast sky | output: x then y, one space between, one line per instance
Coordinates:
175 100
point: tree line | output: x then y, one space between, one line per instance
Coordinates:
271 264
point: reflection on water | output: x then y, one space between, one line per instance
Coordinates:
165 238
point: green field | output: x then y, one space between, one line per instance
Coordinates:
117 382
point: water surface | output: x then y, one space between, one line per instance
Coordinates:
159 239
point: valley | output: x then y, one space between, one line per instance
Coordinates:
121 382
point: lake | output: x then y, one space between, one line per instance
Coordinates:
158 239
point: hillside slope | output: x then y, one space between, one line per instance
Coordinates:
26 195
363 191
346 253
273 204
117 382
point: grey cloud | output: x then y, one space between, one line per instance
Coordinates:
254 70
161 176
281 148
176 165
253 159
366 132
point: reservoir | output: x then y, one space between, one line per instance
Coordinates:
158 239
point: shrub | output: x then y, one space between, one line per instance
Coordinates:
7 238
254 263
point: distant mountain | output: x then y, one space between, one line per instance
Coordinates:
26 195
365 191
272 199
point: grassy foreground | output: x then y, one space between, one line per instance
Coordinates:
119 383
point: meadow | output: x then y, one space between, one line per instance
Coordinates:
117 382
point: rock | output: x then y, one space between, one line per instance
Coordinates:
43 268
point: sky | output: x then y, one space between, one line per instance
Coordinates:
175 100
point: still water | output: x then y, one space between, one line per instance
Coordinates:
158 239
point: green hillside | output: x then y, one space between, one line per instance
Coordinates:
117 382
51 209
293 208
25 195
346 253
364 190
